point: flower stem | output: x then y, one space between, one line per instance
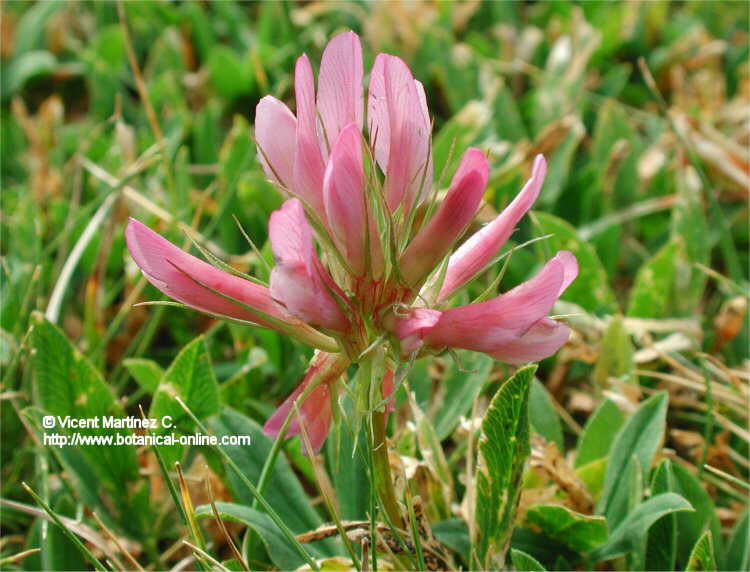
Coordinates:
382 469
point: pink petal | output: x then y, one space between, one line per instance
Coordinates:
290 285
176 273
542 340
291 235
378 117
570 268
490 325
296 280
422 101
411 330
340 97
275 134
400 128
315 411
428 125
309 165
343 192
479 250
435 239
315 415
304 91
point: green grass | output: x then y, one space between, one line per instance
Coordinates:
641 110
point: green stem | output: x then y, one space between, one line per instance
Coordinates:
382 469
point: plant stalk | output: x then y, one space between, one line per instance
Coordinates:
382 469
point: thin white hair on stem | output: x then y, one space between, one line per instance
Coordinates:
291 329
216 261
251 242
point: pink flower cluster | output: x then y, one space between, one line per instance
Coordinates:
386 248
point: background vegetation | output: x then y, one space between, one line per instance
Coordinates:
642 111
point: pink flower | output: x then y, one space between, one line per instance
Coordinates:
512 327
299 281
399 126
461 202
315 411
362 198
479 250
294 151
198 284
344 198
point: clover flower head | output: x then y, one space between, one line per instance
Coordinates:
386 265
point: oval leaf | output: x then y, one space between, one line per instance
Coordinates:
639 438
277 546
503 448
628 536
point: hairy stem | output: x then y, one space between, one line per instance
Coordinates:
382 469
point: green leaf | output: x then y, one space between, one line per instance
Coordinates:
25 67
236 156
420 381
691 526
543 415
652 292
191 378
107 48
562 564
147 373
560 163
29 33
229 75
590 289
615 354
455 535
206 135
283 555
702 556
58 551
614 80
738 551
236 152
542 548
627 495
592 476
629 534
461 390
639 438
523 562
599 432
456 134
615 148
459 83
283 490
612 125
661 548
508 121
348 469
67 384
690 228
434 456
200 26
579 532
503 448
